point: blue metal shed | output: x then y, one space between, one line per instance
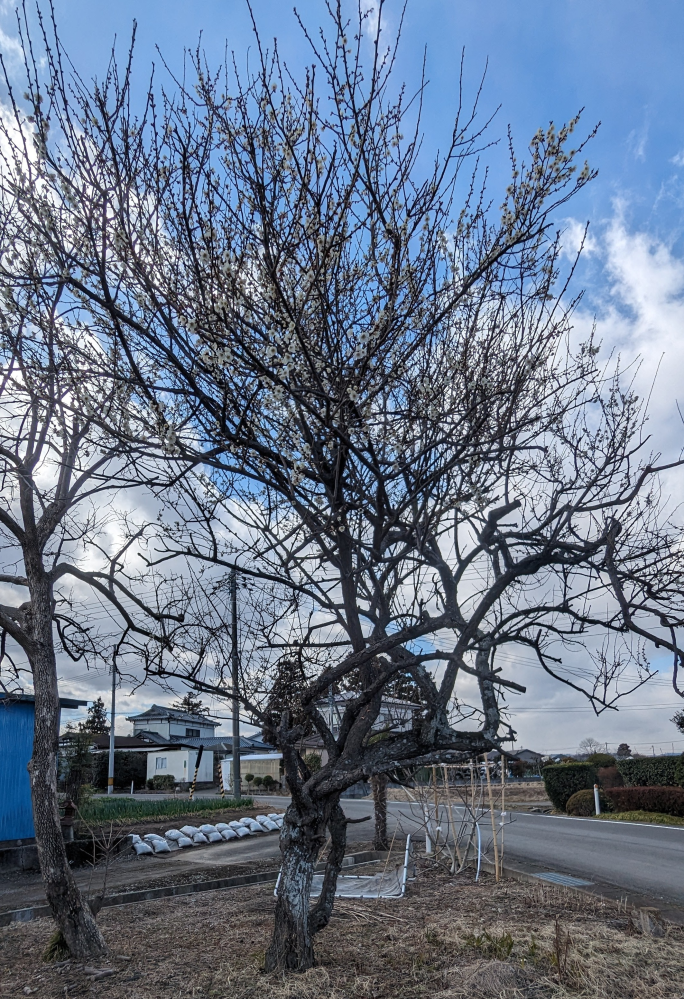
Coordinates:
16 749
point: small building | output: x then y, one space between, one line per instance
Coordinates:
171 724
259 764
180 763
529 756
16 749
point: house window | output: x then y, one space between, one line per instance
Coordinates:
192 733
160 763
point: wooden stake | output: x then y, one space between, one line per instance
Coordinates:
491 812
503 802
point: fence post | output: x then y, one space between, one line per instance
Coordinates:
597 800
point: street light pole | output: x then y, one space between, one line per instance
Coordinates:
110 769
237 782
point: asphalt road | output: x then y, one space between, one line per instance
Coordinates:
643 859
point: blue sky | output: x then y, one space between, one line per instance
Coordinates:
619 59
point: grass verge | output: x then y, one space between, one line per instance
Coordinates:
123 809
654 818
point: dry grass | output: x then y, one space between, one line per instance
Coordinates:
651 818
447 938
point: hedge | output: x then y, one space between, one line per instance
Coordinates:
650 771
562 780
668 800
609 777
583 803
128 766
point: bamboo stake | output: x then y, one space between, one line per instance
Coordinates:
450 820
503 802
491 813
437 826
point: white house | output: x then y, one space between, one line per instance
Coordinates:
180 764
172 724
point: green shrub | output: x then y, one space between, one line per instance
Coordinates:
583 803
162 782
249 778
128 766
258 781
668 800
268 781
649 771
679 771
313 762
562 780
601 760
609 777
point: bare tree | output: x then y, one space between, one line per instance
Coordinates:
58 475
374 368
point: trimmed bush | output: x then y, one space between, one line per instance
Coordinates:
582 803
649 771
162 782
562 780
668 800
610 777
601 760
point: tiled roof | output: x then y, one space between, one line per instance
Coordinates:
162 714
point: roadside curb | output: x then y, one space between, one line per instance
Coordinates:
519 871
171 891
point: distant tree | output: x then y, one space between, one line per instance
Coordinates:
678 719
623 749
96 723
590 745
191 704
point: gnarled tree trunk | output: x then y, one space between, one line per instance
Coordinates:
296 921
71 911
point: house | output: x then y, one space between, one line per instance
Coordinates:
529 756
16 749
172 724
172 740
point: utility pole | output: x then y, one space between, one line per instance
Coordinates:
237 782
110 770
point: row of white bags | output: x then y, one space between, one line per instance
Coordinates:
174 839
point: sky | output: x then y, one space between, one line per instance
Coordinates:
619 60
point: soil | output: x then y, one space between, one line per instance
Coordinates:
449 937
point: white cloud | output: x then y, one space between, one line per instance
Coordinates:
678 160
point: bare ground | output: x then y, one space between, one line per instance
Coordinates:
448 938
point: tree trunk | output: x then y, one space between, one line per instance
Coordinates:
296 923
379 785
70 910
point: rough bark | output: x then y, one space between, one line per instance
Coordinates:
379 786
71 911
296 922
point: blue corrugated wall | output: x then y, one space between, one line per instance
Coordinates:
16 747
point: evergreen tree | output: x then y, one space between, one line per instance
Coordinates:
191 704
97 722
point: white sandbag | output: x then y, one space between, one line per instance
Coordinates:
150 837
142 848
207 828
134 838
199 837
241 831
228 833
214 837
174 834
189 830
160 846
184 841
221 826
268 824
253 825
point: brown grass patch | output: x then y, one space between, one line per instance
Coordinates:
448 938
